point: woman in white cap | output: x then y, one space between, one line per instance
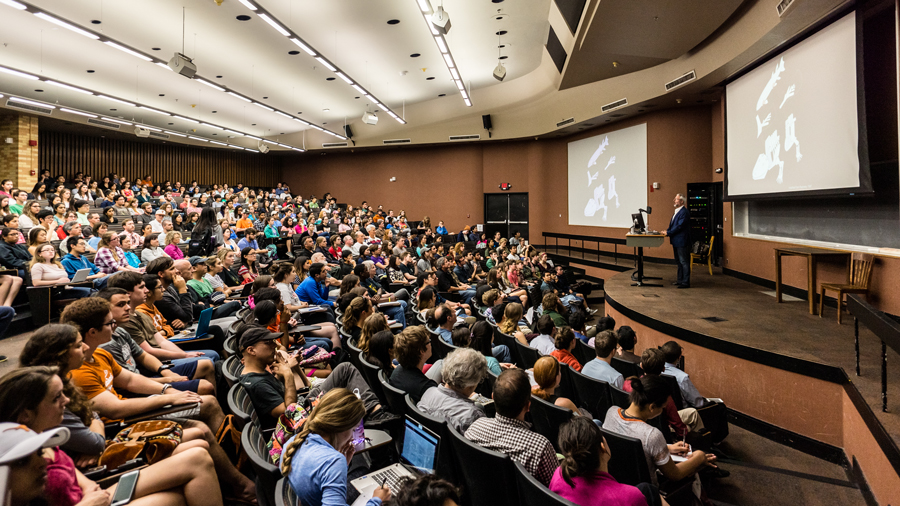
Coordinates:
21 449
34 397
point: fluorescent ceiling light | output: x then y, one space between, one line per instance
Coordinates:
71 111
425 6
17 73
430 25
263 106
252 137
341 137
31 102
392 114
174 133
300 150
198 138
301 121
211 85
58 22
148 128
345 78
317 127
323 61
449 60
359 89
253 150
280 29
248 5
126 50
463 93
401 120
378 104
187 119
154 110
235 147
459 84
66 86
454 73
219 143
213 126
232 131
163 65
116 100
468 103
283 114
282 145
303 46
14 4
441 44
117 121
245 99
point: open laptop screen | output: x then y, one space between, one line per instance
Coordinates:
419 447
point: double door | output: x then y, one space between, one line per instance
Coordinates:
506 213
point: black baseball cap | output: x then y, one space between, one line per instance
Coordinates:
256 334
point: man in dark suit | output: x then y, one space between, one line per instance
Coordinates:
679 233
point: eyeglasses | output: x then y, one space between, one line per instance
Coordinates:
111 324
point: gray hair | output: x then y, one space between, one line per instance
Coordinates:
369 264
69 225
439 263
370 227
464 368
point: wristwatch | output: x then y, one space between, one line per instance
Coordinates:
165 387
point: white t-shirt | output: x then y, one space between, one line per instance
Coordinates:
655 449
287 294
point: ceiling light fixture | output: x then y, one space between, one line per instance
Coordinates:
30 102
198 138
154 110
303 46
19 74
66 86
14 4
67 26
345 78
288 116
439 25
253 137
72 111
116 100
212 126
263 106
441 44
148 128
117 121
232 132
219 143
211 85
163 65
248 5
323 61
189 120
245 99
274 24
127 50
174 133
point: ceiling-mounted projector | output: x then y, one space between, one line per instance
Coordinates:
499 72
441 20
183 65
370 118
141 132
263 148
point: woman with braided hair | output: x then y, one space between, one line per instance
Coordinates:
316 460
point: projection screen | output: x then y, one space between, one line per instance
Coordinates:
794 125
608 178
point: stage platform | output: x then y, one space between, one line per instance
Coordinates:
774 364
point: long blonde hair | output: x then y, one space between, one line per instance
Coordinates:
357 307
338 410
36 256
374 324
511 316
171 235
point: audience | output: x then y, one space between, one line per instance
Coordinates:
462 370
599 368
546 341
627 342
689 392
412 348
565 343
547 375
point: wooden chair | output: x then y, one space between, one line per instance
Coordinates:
700 257
860 273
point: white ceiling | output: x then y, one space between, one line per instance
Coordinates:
253 58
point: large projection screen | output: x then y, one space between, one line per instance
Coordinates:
795 124
608 178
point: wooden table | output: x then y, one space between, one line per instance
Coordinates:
812 257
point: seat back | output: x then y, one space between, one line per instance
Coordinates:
528 354
444 467
394 396
486 387
370 373
354 352
583 352
489 476
267 474
619 397
547 417
510 342
285 495
232 370
593 394
626 368
534 493
861 269
566 388
676 390
628 464
240 405
440 347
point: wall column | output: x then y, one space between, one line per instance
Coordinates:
18 159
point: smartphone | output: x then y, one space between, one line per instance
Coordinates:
125 489
359 437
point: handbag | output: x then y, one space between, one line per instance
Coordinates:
152 439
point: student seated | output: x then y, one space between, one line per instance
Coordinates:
565 343
509 433
315 461
33 400
681 421
689 392
427 490
47 271
380 350
583 476
544 343
627 343
481 338
412 348
462 370
599 368
509 322
547 375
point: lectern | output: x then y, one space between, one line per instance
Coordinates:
641 241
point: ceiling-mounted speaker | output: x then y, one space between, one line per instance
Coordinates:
348 132
486 121
440 20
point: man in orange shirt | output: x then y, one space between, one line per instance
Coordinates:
243 223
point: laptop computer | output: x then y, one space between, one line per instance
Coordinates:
202 328
81 275
419 456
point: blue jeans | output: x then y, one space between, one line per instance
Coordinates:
397 312
207 355
501 353
6 316
100 283
683 258
77 292
321 342
467 295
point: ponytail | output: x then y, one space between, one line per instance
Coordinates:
580 441
650 389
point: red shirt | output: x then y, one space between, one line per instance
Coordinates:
566 357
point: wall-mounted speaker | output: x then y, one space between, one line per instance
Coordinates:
486 120
348 132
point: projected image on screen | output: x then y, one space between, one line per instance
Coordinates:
608 177
792 123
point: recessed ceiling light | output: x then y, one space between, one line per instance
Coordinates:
171 123
502 57
156 48
292 53
393 22
429 78
356 98
330 78
218 77
215 112
501 32
442 95
243 17
301 112
162 94
39 91
90 71
113 109
497 1
252 124
265 98
415 55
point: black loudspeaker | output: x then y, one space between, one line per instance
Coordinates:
348 132
486 120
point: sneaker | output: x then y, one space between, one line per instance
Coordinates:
3 358
593 311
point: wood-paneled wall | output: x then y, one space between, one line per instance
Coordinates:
65 153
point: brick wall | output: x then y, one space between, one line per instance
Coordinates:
18 159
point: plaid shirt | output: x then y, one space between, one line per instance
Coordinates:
513 437
106 263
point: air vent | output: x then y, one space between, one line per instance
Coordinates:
470 137
105 124
783 6
614 105
29 108
565 122
690 76
157 135
396 141
334 144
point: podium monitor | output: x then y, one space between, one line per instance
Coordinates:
638 221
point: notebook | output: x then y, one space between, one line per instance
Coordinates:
202 328
420 453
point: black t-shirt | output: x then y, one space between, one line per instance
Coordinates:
445 281
405 269
414 382
266 393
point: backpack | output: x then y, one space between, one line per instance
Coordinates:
201 244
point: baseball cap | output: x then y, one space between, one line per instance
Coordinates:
18 441
254 335
160 211
196 260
